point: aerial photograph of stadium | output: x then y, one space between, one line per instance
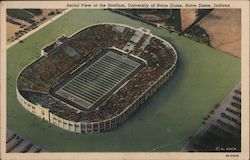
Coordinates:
123 80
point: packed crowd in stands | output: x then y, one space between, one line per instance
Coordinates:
44 72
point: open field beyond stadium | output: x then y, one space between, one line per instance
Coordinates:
204 76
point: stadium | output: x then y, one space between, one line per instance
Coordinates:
94 80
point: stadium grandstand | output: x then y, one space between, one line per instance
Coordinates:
94 80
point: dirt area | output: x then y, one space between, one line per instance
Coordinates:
12 28
224 29
188 16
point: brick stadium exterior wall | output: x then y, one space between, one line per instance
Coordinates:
44 114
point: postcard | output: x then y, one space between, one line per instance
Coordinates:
124 80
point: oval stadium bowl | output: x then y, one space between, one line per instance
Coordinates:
94 80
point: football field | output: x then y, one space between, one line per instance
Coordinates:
98 80
203 77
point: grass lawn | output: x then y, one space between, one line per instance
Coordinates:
204 76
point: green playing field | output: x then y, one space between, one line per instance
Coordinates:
98 79
204 76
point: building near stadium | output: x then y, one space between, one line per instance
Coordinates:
94 80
